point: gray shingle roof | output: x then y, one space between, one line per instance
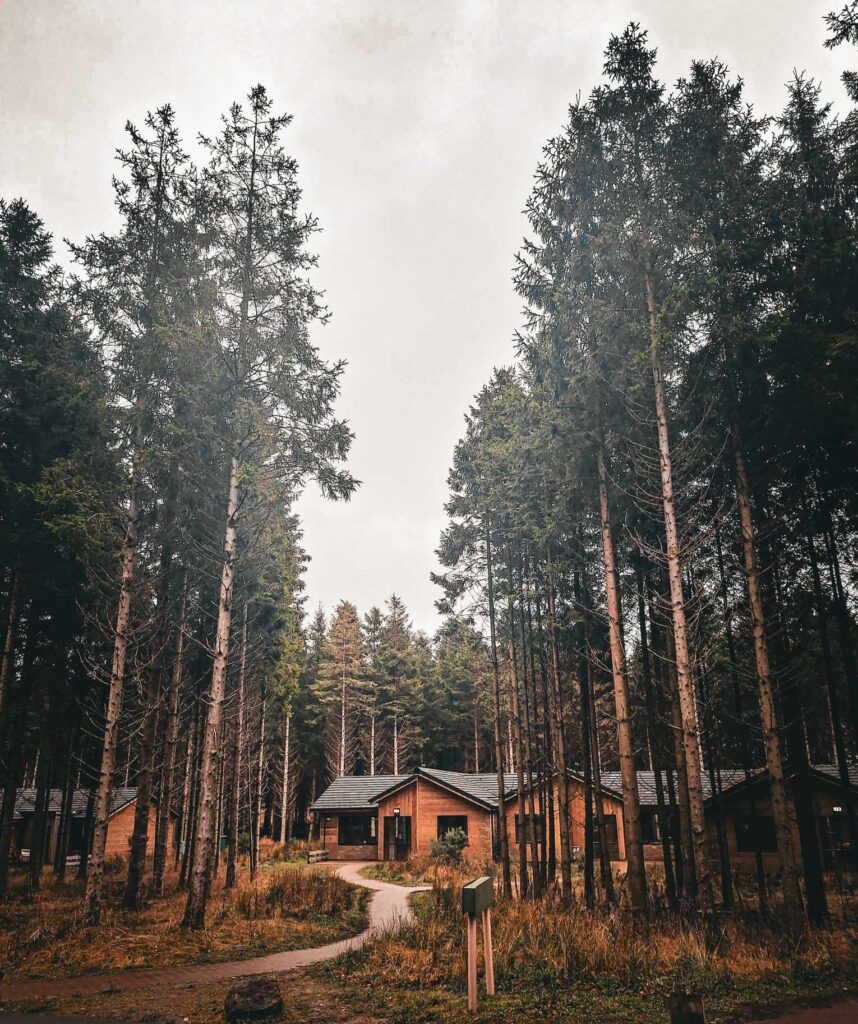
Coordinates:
729 778
834 772
355 792
25 801
361 792
646 783
482 787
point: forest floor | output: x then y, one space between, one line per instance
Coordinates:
323 995
552 966
288 907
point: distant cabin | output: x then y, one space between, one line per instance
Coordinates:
393 817
120 823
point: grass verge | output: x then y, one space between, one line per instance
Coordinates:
285 908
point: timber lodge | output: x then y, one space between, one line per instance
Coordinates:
393 817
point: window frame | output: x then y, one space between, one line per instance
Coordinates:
612 835
459 818
346 831
540 827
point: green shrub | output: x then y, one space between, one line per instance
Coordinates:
450 846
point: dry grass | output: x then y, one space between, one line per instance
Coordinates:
422 871
286 908
541 946
292 852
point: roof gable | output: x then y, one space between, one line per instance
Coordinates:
481 788
363 792
355 792
25 801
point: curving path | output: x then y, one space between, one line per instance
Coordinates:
388 908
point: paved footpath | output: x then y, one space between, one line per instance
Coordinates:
838 1013
388 908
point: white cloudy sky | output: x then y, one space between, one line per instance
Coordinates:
418 124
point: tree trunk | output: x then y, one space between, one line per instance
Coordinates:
372 743
560 746
476 726
69 775
685 682
844 624
103 795
503 839
132 896
528 746
636 873
149 731
8 663
738 710
341 766
549 762
14 737
605 873
655 761
768 710
689 871
284 792
43 794
195 909
521 816
587 758
237 741
257 802
713 759
219 822
171 734
189 791
89 822
798 760
833 703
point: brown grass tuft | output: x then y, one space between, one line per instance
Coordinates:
285 908
541 944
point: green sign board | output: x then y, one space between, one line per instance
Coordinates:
478 896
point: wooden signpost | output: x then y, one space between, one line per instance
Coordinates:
477 898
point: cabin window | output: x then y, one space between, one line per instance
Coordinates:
447 822
356 830
540 828
835 839
766 841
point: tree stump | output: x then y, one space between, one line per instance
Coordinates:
253 999
686 1009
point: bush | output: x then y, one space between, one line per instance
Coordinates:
542 943
293 850
450 846
295 893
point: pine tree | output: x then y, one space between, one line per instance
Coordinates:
128 293
338 688
398 684
280 428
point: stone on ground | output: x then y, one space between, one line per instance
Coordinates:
253 999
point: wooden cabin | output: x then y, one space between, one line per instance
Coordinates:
120 823
612 809
393 817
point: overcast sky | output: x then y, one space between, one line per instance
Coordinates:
418 124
